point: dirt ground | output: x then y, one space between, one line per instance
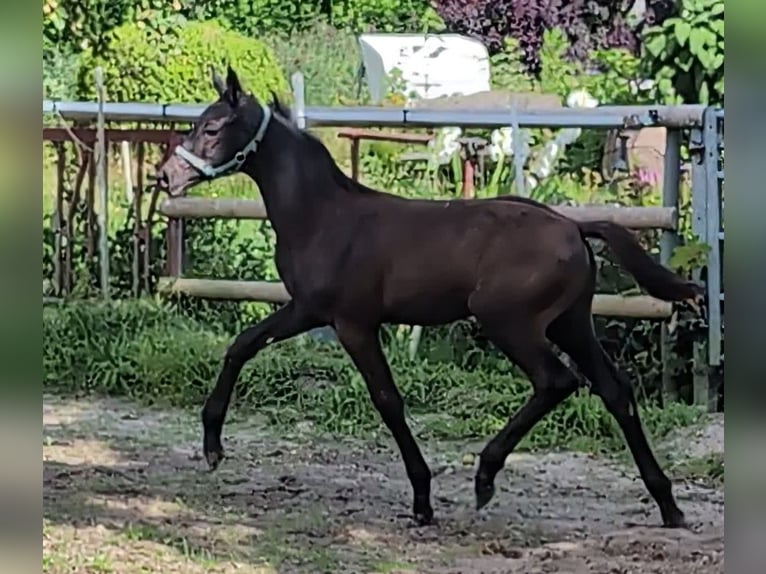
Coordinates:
126 490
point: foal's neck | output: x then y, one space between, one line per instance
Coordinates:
295 185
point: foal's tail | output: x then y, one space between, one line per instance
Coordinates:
659 281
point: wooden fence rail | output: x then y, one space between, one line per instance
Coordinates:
638 306
631 217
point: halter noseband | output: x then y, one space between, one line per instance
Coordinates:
234 163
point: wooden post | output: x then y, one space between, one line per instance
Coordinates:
668 242
138 243
355 158
127 170
468 177
58 221
90 207
174 238
100 152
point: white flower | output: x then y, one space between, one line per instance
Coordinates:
543 165
581 99
567 136
446 143
501 143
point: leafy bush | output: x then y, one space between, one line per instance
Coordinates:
60 69
75 25
165 64
254 17
685 54
385 15
328 59
588 24
153 354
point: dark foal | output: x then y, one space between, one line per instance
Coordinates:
355 258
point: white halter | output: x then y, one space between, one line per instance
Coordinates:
239 158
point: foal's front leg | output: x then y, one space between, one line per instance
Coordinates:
288 321
363 345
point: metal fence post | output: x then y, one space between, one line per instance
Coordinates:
700 370
668 242
713 175
299 99
518 159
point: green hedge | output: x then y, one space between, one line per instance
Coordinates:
143 65
75 25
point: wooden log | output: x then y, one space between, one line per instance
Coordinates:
225 289
219 208
632 217
639 306
222 208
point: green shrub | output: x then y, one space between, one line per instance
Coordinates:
60 68
143 64
255 17
685 54
328 58
74 25
385 16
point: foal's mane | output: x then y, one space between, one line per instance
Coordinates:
316 146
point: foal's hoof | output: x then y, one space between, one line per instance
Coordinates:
484 493
214 458
424 518
674 519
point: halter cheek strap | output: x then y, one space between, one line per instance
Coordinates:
234 163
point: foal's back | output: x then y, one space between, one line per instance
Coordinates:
423 259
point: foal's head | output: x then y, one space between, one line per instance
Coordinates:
222 139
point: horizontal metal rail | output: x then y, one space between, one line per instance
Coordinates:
604 117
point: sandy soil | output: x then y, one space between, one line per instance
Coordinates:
126 490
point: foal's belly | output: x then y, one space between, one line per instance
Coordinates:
425 305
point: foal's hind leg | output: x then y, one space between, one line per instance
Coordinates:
288 321
363 345
573 333
525 345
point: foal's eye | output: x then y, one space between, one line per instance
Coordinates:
211 131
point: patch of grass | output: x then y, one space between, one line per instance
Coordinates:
708 469
100 563
181 544
155 355
391 567
275 545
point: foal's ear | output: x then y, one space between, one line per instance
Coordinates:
218 84
233 87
